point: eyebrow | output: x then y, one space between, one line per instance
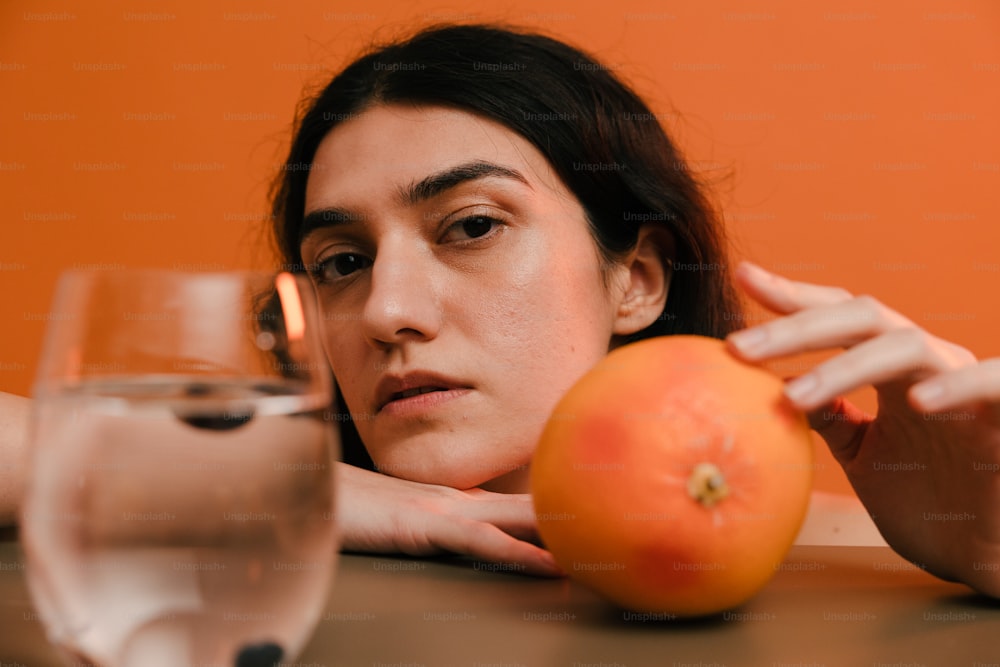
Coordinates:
414 193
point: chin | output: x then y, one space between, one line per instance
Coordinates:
459 458
465 472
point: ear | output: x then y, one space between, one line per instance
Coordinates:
647 282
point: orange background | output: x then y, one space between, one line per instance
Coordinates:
851 143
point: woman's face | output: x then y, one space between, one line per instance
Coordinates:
461 290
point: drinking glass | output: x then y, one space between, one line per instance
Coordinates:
180 506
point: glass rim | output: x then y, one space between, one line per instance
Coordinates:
57 372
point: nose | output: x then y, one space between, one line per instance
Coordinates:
403 303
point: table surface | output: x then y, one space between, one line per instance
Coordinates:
827 605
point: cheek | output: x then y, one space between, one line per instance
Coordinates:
332 335
552 314
342 343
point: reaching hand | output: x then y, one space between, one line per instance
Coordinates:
926 465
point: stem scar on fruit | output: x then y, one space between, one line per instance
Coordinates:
707 484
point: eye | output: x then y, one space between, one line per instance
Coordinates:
340 265
472 227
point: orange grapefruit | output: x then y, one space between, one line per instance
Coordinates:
673 477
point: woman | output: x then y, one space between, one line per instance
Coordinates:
486 256
485 214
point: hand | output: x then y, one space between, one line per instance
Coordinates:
381 514
13 454
926 465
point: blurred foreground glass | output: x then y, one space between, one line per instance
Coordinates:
180 509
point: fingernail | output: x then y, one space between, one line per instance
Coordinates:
801 387
928 393
748 339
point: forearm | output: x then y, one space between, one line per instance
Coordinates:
13 454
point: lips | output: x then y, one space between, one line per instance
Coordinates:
414 392
394 389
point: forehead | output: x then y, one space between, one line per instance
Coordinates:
388 146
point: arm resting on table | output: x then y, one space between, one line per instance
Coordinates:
13 454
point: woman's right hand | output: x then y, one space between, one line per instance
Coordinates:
381 514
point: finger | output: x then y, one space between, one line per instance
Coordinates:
821 327
783 295
971 384
488 543
897 355
513 513
842 425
